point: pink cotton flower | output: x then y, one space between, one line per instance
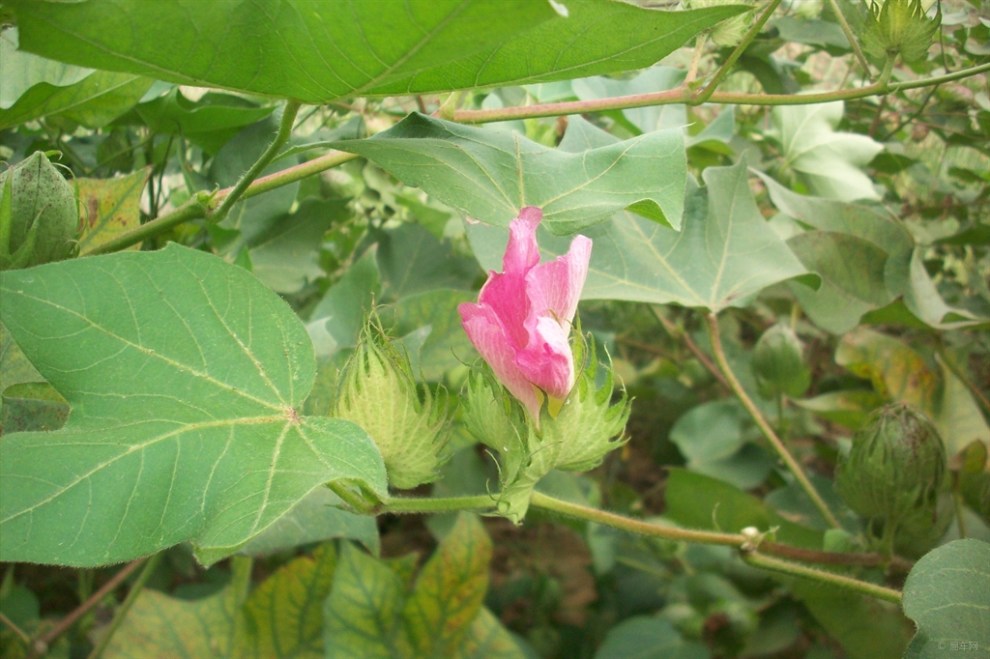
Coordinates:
522 321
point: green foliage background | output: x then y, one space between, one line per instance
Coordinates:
167 393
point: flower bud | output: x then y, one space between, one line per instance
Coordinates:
895 475
39 218
899 27
574 435
378 393
778 364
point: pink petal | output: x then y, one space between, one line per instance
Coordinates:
554 287
522 252
489 336
505 295
548 362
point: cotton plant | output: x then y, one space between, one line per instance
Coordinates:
537 405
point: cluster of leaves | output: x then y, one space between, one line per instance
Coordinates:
200 371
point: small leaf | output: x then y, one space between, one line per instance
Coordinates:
109 207
491 174
946 595
829 161
185 375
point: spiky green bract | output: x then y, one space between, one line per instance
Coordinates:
899 27
377 391
588 425
778 363
895 476
585 427
39 219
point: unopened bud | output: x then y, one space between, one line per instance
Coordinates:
39 218
378 393
895 474
778 364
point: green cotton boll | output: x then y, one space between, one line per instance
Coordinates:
899 27
378 393
895 475
39 218
778 364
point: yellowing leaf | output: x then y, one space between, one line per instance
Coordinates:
109 207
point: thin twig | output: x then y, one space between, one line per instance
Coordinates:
121 613
740 48
680 335
764 426
43 642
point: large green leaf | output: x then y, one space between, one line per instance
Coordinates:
724 254
185 376
490 174
946 595
318 51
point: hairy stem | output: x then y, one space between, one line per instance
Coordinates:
482 503
740 48
198 206
684 94
764 426
850 37
288 120
761 560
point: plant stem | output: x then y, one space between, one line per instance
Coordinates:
358 503
765 562
289 113
850 37
740 48
763 425
41 645
409 505
121 613
18 632
198 206
637 526
679 334
685 95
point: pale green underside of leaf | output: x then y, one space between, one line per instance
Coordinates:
946 595
724 253
184 375
317 51
491 174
